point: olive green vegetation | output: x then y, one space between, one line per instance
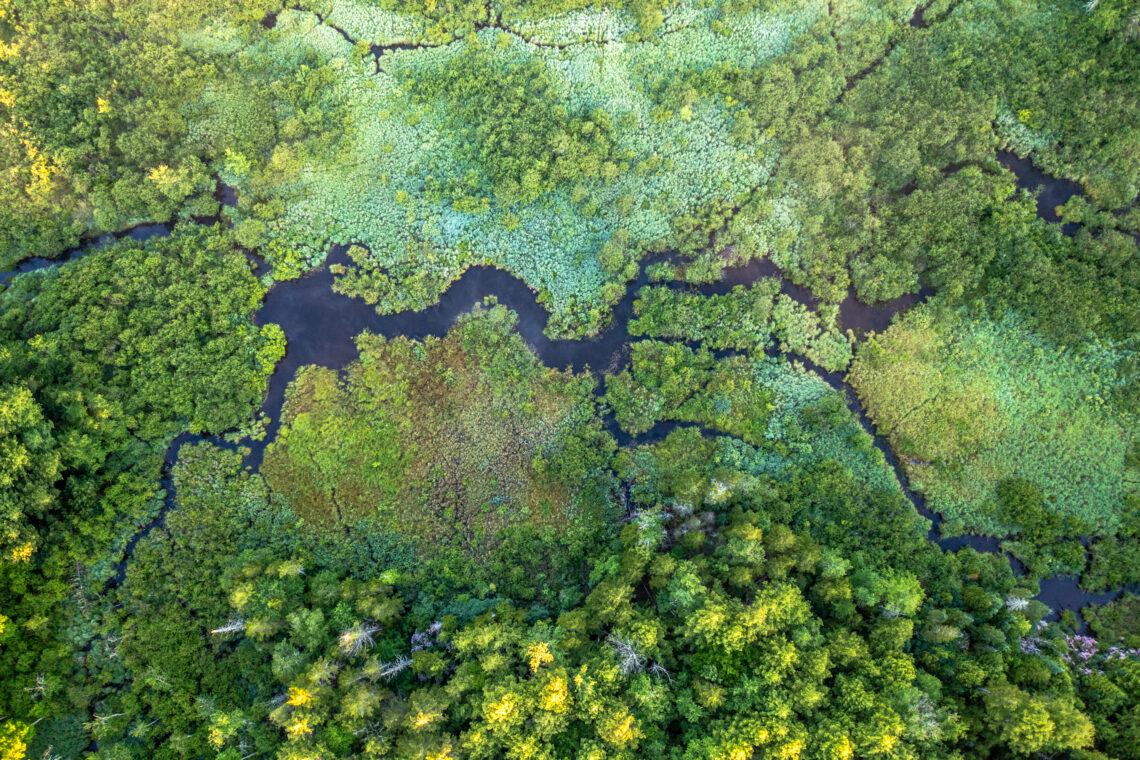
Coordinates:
758 598
792 415
974 245
668 381
1117 620
465 446
965 401
514 131
446 555
1108 686
108 358
1114 561
97 108
775 129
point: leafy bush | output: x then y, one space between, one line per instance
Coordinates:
510 125
745 319
673 382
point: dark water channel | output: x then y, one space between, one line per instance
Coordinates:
1053 192
321 326
140 232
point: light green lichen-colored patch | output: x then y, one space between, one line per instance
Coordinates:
1016 132
372 191
969 403
811 423
215 39
373 24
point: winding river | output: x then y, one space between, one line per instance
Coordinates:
320 327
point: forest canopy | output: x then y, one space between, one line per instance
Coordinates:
533 379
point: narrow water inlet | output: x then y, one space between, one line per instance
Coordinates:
1054 192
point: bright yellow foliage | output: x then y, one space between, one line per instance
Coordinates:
555 695
502 710
424 719
162 175
789 751
539 654
299 728
299 697
23 552
12 741
619 729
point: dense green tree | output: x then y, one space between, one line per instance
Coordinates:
105 360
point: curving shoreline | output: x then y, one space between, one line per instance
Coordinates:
321 325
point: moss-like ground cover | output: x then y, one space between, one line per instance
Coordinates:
971 404
457 444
